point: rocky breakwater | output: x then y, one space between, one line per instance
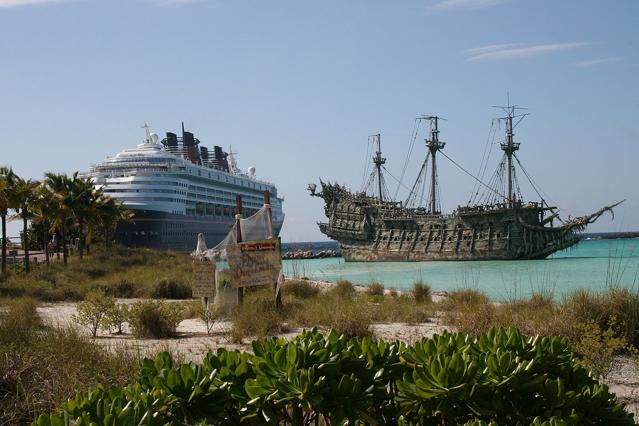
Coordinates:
309 254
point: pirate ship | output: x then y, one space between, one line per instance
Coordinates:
496 224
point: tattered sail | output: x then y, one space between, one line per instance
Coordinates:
495 225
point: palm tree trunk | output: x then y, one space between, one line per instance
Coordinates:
4 244
65 252
25 237
45 242
81 239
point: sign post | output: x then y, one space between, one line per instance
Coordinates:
203 283
238 239
254 263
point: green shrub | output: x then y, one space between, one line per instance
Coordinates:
421 292
155 319
597 348
300 289
93 310
624 312
500 377
375 289
171 289
116 317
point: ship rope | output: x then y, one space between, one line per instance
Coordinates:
412 195
399 183
369 188
367 164
483 166
534 184
471 175
411 146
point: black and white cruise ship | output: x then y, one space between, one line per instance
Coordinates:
177 188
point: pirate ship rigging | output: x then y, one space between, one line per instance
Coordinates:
496 224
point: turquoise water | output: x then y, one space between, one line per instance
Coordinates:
591 264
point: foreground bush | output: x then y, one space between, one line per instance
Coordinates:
500 377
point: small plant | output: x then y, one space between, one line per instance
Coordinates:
375 289
116 317
421 292
393 293
597 348
344 289
350 319
171 289
92 311
155 319
209 316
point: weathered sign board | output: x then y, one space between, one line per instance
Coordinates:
203 283
254 263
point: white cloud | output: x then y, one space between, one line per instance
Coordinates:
17 3
465 4
594 62
498 52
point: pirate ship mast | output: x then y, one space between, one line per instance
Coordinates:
495 224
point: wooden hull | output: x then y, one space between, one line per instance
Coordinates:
386 233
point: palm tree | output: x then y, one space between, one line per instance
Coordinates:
22 194
110 213
83 204
61 215
6 175
43 208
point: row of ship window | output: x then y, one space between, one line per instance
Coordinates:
175 200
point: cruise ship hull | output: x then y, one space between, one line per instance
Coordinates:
165 231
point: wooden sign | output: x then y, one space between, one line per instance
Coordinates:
203 283
254 263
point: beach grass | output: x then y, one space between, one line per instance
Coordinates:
120 272
42 366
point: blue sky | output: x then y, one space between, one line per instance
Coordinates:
297 86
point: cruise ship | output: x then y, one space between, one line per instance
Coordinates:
177 188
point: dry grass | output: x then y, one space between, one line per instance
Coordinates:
300 289
120 272
41 367
340 308
421 292
257 316
375 289
471 311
